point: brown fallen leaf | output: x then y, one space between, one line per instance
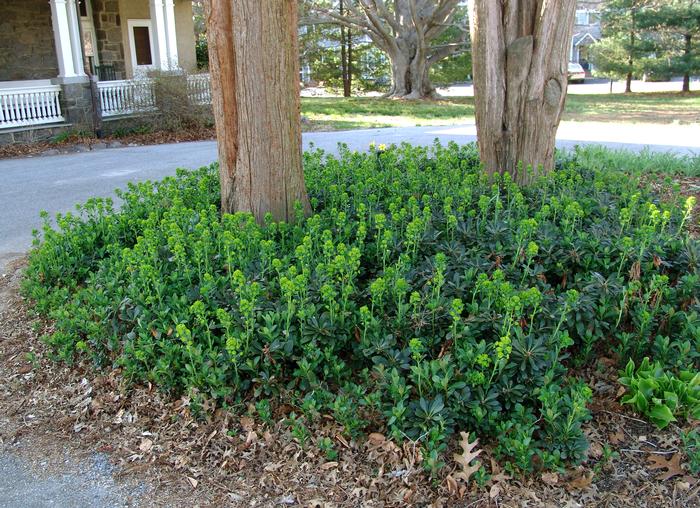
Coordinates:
672 466
452 486
466 457
550 478
375 438
247 423
146 445
617 438
595 450
251 438
582 480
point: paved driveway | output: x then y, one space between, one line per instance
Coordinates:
56 183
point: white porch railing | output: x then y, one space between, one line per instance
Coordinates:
129 97
126 97
199 88
28 103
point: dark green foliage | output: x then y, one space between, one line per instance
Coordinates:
319 51
202 52
691 447
625 49
419 299
676 26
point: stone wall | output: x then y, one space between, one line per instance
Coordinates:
29 135
26 41
108 30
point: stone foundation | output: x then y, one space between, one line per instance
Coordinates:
76 104
28 135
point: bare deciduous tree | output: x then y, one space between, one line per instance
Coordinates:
255 88
407 31
520 53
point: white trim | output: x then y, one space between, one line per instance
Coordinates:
170 35
76 42
583 37
160 40
87 24
62 39
132 45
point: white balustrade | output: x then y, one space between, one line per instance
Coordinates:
29 103
130 97
126 97
199 88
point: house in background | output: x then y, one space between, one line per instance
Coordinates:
52 50
586 31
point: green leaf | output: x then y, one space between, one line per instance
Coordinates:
661 415
671 401
647 387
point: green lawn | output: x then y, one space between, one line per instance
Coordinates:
364 112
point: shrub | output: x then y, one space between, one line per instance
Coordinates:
175 106
419 299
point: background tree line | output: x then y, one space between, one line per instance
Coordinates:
653 38
407 47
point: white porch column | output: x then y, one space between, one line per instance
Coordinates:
171 36
76 42
160 35
62 38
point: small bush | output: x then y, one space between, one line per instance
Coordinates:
419 299
660 395
175 108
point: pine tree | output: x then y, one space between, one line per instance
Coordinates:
676 24
625 47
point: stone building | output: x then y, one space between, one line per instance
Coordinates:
586 30
63 60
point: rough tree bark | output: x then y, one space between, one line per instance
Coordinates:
520 51
404 30
255 88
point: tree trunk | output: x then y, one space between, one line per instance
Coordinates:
628 83
410 76
344 62
687 51
255 89
630 62
520 52
348 85
344 48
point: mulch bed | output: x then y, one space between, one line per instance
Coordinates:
233 460
78 143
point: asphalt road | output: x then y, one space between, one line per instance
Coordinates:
57 183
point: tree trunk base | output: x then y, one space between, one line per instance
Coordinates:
412 96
